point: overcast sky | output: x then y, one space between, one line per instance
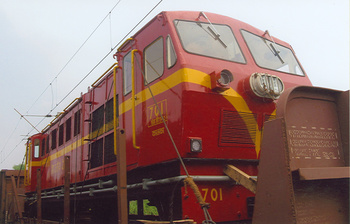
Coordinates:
38 38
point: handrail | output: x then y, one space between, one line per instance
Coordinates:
27 165
75 100
133 99
93 84
56 117
59 115
125 43
53 121
115 119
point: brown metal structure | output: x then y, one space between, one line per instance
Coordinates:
66 190
122 179
17 200
304 163
11 195
39 202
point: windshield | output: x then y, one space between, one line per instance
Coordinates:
211 40
270 55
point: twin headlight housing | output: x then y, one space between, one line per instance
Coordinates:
266 86
262 85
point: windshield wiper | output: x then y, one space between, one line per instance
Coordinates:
274 50
217 36
276 53
212 30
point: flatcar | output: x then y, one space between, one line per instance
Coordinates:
191 90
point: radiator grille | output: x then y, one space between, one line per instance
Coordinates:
237 128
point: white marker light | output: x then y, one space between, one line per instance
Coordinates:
196 145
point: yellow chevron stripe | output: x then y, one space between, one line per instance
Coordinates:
184 75
180 76
240 105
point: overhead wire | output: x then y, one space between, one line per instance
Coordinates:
163 120
122 40
188 180
50 85
8 139
12 150
73 56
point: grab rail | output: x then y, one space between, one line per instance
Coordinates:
115 118
93 84
133 99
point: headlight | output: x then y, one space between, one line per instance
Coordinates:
196 145
220 81
225 77
266 85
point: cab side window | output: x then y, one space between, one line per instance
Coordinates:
36 148
60 134
127 73
171 57
154 60
68 129
54 139
77 122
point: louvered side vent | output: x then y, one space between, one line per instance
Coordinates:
237 128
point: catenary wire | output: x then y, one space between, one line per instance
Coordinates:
88 72
3 148
99 62
55 79
68 62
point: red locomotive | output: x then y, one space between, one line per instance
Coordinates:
211 80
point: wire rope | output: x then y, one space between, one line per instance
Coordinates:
100 61
163 120
189 180
88 72
8 139
77 51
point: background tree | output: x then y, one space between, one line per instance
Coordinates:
18 167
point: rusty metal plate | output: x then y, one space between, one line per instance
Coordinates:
312 128
324 173
303 169
322 201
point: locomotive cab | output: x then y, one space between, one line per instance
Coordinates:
32 161
212 81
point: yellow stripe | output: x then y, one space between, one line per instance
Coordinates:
105 128
240 105
184 75
180 76
60 153
35 163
